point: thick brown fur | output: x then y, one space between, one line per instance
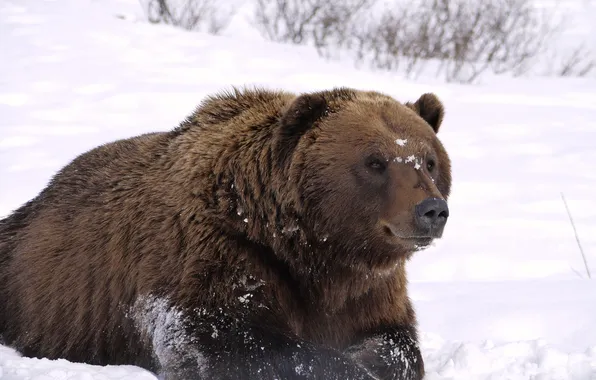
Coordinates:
259 213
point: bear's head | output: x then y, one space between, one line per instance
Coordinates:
371 178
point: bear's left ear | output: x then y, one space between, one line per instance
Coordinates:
430 108
302 113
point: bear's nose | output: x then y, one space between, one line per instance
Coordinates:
431 216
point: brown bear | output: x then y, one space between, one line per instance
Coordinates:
263 238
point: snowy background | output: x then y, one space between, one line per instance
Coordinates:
504 295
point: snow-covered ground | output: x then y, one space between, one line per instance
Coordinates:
503 296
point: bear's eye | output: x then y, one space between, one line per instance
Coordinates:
377 164
430 165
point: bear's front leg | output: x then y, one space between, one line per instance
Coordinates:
392 354
215 345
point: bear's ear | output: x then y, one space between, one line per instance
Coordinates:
430 108
302 113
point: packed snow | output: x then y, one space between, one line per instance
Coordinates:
504 294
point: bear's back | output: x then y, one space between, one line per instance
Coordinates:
56 294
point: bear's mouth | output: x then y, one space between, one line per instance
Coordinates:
416 241
419 241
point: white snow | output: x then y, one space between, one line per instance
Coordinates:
412 158
165 327
15 367
503 295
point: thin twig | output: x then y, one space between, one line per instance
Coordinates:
576 272
581 250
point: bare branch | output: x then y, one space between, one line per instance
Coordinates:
581 250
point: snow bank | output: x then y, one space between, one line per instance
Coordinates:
15 367
512 361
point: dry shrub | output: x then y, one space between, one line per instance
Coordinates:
464 37
578 62
189 14
326 24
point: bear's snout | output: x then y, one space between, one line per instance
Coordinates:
431 216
